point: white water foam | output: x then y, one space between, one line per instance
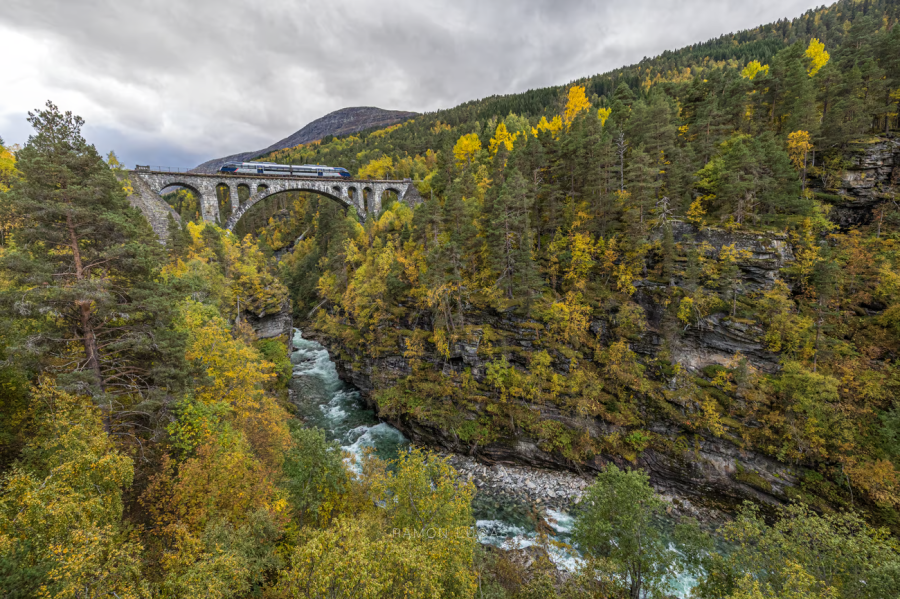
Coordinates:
341 413
371 437
561 522
501 534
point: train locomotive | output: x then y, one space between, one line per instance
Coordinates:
285 170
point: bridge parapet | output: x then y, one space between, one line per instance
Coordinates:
365 196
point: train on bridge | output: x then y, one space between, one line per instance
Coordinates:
285 170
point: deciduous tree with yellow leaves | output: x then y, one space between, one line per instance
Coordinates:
576 103
817 56
466 149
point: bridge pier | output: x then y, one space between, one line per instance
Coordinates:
375 200
209 205
234 197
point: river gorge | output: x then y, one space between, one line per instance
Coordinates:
509 500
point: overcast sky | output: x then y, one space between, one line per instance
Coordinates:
177 82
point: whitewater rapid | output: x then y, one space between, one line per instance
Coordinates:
325 401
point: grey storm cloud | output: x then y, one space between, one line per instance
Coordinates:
183 81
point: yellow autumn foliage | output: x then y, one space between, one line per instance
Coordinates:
799 147
238 277
554 126
576 103
817 56
236 376
418 544
385 131
366 296
603 115
753 69
7 168
378 168
502 137
466 149
569 318
7 174
62 508
696 211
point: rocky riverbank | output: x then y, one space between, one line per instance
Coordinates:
542 488
554 489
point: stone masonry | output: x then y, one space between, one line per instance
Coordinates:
363 195
153 207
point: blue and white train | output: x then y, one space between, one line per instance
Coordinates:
286 170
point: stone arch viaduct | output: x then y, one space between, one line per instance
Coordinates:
364 196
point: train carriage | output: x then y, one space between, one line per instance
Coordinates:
285 170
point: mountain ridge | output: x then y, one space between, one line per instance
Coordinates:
339 122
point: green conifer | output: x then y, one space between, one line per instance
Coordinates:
85 267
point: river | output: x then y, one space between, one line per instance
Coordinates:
323 400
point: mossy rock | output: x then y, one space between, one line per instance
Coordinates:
712 370
752 478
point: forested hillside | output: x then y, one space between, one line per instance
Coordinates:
830 25
681 276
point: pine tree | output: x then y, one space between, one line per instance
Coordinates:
753 177
737 100
86 266
179 238
856 97
888 55
823 289
795 108
667 249
827 81
652 126
846 117
643 183
449 260
859 49
509 237
620 110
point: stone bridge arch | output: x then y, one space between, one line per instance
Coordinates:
267 193
197 192
366 198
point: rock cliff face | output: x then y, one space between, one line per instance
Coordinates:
714 472
339 122
718 338
270 326
871 175
153 207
